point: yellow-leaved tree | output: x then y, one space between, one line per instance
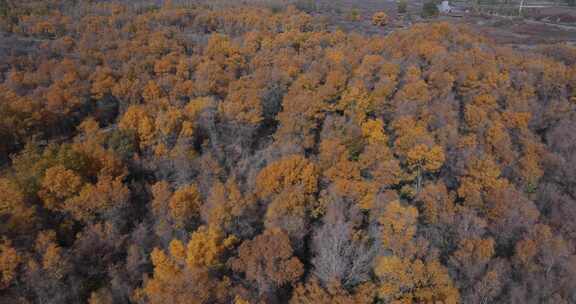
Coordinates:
9 261
184 273
405 278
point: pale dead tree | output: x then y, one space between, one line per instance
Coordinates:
340 254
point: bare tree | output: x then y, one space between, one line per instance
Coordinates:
339 254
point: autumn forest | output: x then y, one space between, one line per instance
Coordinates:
245 154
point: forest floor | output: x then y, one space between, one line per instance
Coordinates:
545 26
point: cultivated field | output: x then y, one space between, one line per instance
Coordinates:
538 26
